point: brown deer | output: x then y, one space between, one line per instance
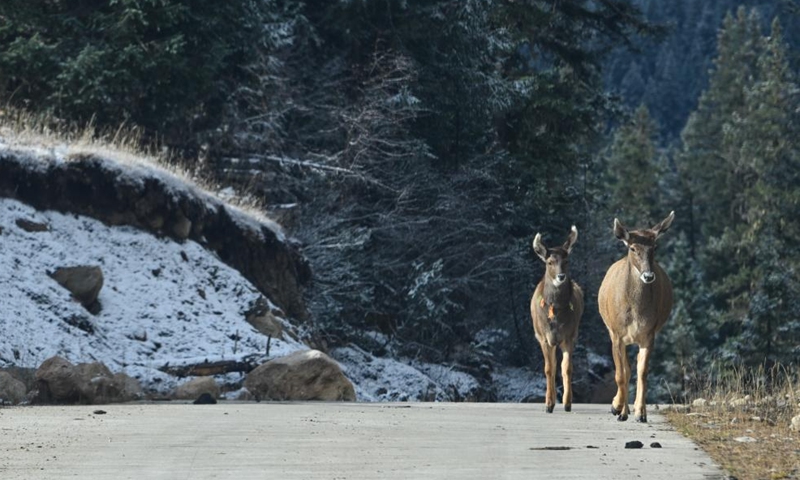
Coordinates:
635 300
556 309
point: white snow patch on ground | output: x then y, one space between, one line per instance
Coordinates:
393 380
149 289
595 360
516 384
383 380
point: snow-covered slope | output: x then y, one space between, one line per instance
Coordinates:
166 299
163 302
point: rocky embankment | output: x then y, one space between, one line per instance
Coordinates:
160 203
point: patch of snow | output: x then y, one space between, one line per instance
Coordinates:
598 360
380 379
157 308
457 385
516 384
383 380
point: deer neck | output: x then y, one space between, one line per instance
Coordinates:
635 287
559 295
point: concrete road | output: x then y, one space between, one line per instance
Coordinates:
340 441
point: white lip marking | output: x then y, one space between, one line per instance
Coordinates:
645 280
558 282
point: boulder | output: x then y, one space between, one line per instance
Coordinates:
84 282
304 375
182 226
699 402
96 384
56 381
59 381
129 387
25 375
796 423
11 390
197 386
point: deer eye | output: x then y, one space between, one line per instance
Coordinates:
633 249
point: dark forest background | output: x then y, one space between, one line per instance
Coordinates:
416 147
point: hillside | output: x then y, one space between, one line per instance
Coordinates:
167 300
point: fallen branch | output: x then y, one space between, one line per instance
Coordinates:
207 368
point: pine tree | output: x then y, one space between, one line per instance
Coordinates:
167 65
711 175
764 246
633 170
682 347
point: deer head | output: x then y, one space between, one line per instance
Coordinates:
556 259
642 246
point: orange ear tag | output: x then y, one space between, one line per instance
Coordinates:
551 313
541 302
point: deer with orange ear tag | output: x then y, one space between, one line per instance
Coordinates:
556 309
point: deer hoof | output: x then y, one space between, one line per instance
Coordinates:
622 417
614 411
567 408
549 408
641 418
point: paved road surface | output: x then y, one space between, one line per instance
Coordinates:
340 441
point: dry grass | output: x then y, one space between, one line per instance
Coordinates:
124 145
742 418
49 137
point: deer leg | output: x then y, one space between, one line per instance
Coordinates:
622 375
642 363
566 374
550 373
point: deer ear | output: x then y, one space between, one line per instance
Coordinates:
573 237
539 247
664 225
620 231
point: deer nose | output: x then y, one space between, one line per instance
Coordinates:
648 277
561 277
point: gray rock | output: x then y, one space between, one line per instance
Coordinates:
84 282
57 381
31 226
796 423
182 226
700 402
11 390
205 399
197 386
95 384
129 387
679 408
304 375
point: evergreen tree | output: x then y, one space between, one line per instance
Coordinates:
763 246
682 347
633 171
712 177
165 65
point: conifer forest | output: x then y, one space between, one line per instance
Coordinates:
414 148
